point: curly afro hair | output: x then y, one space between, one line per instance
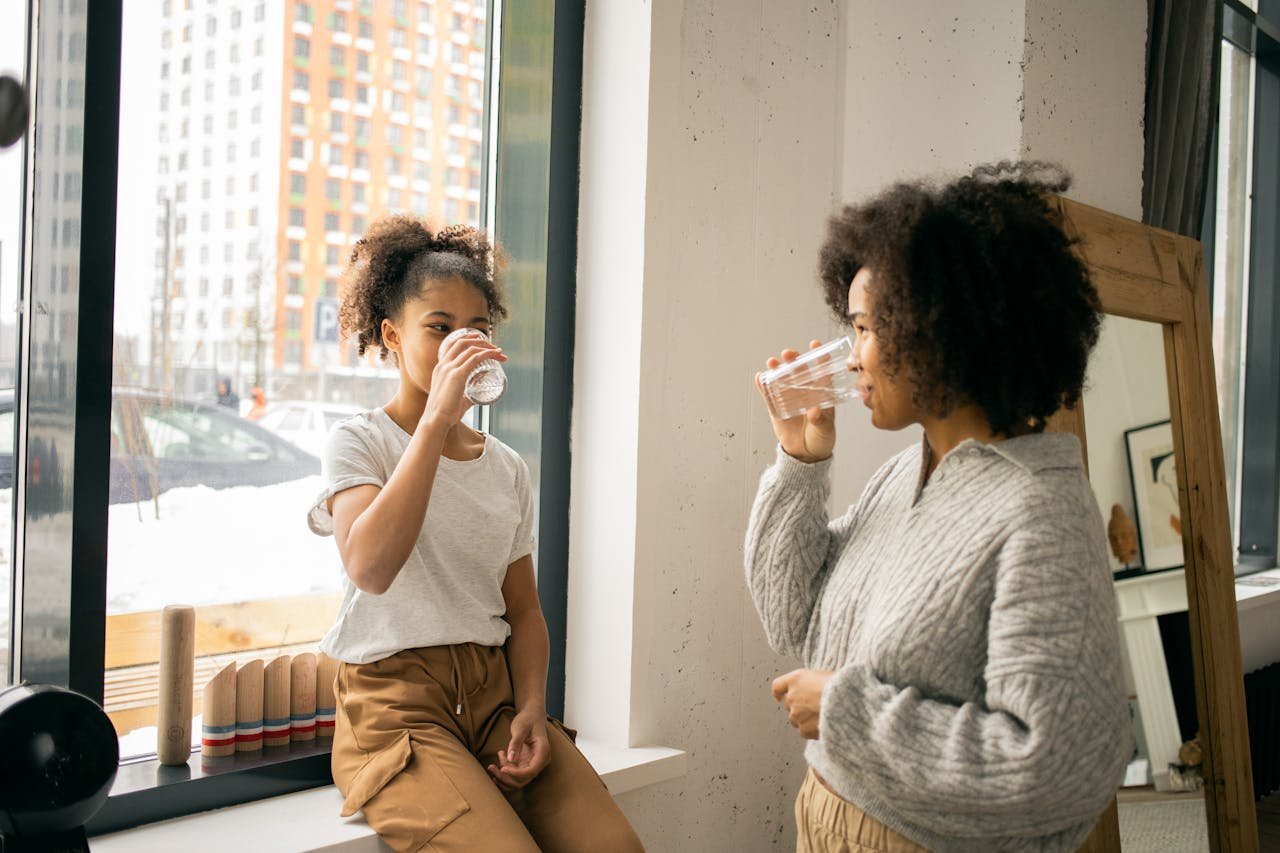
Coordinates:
978 294
390 263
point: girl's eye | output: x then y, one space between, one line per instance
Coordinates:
439 327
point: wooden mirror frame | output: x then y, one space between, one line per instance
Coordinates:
1145 273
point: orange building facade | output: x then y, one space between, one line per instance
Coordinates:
382 112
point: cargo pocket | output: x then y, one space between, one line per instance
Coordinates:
405 795
571 734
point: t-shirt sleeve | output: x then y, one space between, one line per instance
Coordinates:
348 461
523 543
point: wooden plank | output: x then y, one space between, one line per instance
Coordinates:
134 638
1136 269
130 694
1210 570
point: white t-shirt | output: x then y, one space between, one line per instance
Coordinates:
479 521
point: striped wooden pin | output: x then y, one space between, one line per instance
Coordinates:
302 698
249 707
218 725
275 703
326 703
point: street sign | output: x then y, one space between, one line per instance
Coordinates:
326 325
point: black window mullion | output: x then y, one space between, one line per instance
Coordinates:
66 376
1260 467
92 472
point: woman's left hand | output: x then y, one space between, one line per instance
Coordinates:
800 692
528 753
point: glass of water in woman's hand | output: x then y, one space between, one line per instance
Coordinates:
488 382
817 379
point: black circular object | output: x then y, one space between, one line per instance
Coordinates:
14 111
59 755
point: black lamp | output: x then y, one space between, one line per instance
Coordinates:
58 758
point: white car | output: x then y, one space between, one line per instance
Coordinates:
306 423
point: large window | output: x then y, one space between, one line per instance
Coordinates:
1243 232
208 471
167 430
13 61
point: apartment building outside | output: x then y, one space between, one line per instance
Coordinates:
285 129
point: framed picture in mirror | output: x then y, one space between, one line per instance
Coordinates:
1153 476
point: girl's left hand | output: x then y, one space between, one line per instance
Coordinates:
527 755
800 692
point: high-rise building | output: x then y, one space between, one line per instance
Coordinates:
285 129
218 178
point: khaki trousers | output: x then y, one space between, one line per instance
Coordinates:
414 735
826 823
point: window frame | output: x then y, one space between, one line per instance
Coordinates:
1258 508
67 647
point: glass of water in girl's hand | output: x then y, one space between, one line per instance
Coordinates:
817 379
488 382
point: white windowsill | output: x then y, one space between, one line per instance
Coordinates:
309 821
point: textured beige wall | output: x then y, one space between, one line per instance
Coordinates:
744 124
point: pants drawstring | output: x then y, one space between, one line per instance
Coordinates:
457 680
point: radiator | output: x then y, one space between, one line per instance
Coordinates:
1262 699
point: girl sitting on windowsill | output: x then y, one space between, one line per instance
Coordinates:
442 735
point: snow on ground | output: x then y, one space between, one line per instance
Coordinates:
218 546
205 546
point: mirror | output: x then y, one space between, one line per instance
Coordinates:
1144 274
1133 471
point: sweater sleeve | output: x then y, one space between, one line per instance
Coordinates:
1050 740
791 544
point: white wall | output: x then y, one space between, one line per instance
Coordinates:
1127 387
717 137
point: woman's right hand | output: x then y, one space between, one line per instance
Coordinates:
447 400
810 437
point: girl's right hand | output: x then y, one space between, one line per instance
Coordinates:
810 437
447 400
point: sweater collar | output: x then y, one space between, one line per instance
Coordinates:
1034 452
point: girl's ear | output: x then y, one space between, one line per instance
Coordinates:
390 337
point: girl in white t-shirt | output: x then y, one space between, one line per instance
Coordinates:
442 734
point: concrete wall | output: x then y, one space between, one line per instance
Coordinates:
717 137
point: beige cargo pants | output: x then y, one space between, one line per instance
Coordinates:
414 735
826 823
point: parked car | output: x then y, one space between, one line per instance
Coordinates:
304 422
160 443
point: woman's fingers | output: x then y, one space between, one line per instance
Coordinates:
821 417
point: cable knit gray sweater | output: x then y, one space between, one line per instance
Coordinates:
977 701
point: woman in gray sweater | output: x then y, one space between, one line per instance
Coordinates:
962 685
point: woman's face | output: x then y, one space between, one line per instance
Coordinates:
888 398
440 307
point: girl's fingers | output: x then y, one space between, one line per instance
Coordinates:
815 344
458 346
470 361
772 363
789 355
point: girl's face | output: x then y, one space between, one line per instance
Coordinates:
440 307
888 398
